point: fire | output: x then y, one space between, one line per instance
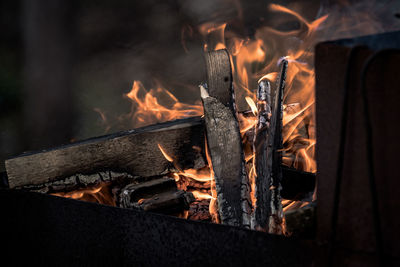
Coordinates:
99 194
148 109
151 106
205 176
255 59
166 156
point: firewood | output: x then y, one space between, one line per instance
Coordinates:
274 153
224 141
260 216
296 184
128 152
167 202
132 193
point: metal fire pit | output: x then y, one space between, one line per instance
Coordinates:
48 230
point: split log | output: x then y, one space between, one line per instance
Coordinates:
128 152
224 141
260 216
274 155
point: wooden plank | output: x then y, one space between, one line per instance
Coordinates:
219 76
129 151
224 142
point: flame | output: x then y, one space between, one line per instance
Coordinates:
99 194
201 195
166 156
148 109
252 105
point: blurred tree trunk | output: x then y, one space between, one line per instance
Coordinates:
49 44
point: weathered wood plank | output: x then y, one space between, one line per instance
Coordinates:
129 151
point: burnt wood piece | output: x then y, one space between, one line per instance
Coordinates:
274 155
122 152
296 185
260 216
132 193
167 202
79 181
224 142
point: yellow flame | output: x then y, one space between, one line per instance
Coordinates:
252 105
166 156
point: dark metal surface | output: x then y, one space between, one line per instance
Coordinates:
48 230
358 183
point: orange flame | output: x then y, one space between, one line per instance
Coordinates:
99 194
166 156
148 109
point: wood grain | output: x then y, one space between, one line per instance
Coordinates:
135 152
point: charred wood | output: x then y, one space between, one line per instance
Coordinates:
79 181
260 218
132 193
296 185
167 202
224 141
120 152
199 210
274 155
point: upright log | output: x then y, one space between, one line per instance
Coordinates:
224 141
260 216
274 152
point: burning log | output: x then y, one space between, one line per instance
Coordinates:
224 141
168 202
274 158
132 193
120 152
260 216
268 211
296 185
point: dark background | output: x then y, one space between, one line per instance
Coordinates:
59 60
